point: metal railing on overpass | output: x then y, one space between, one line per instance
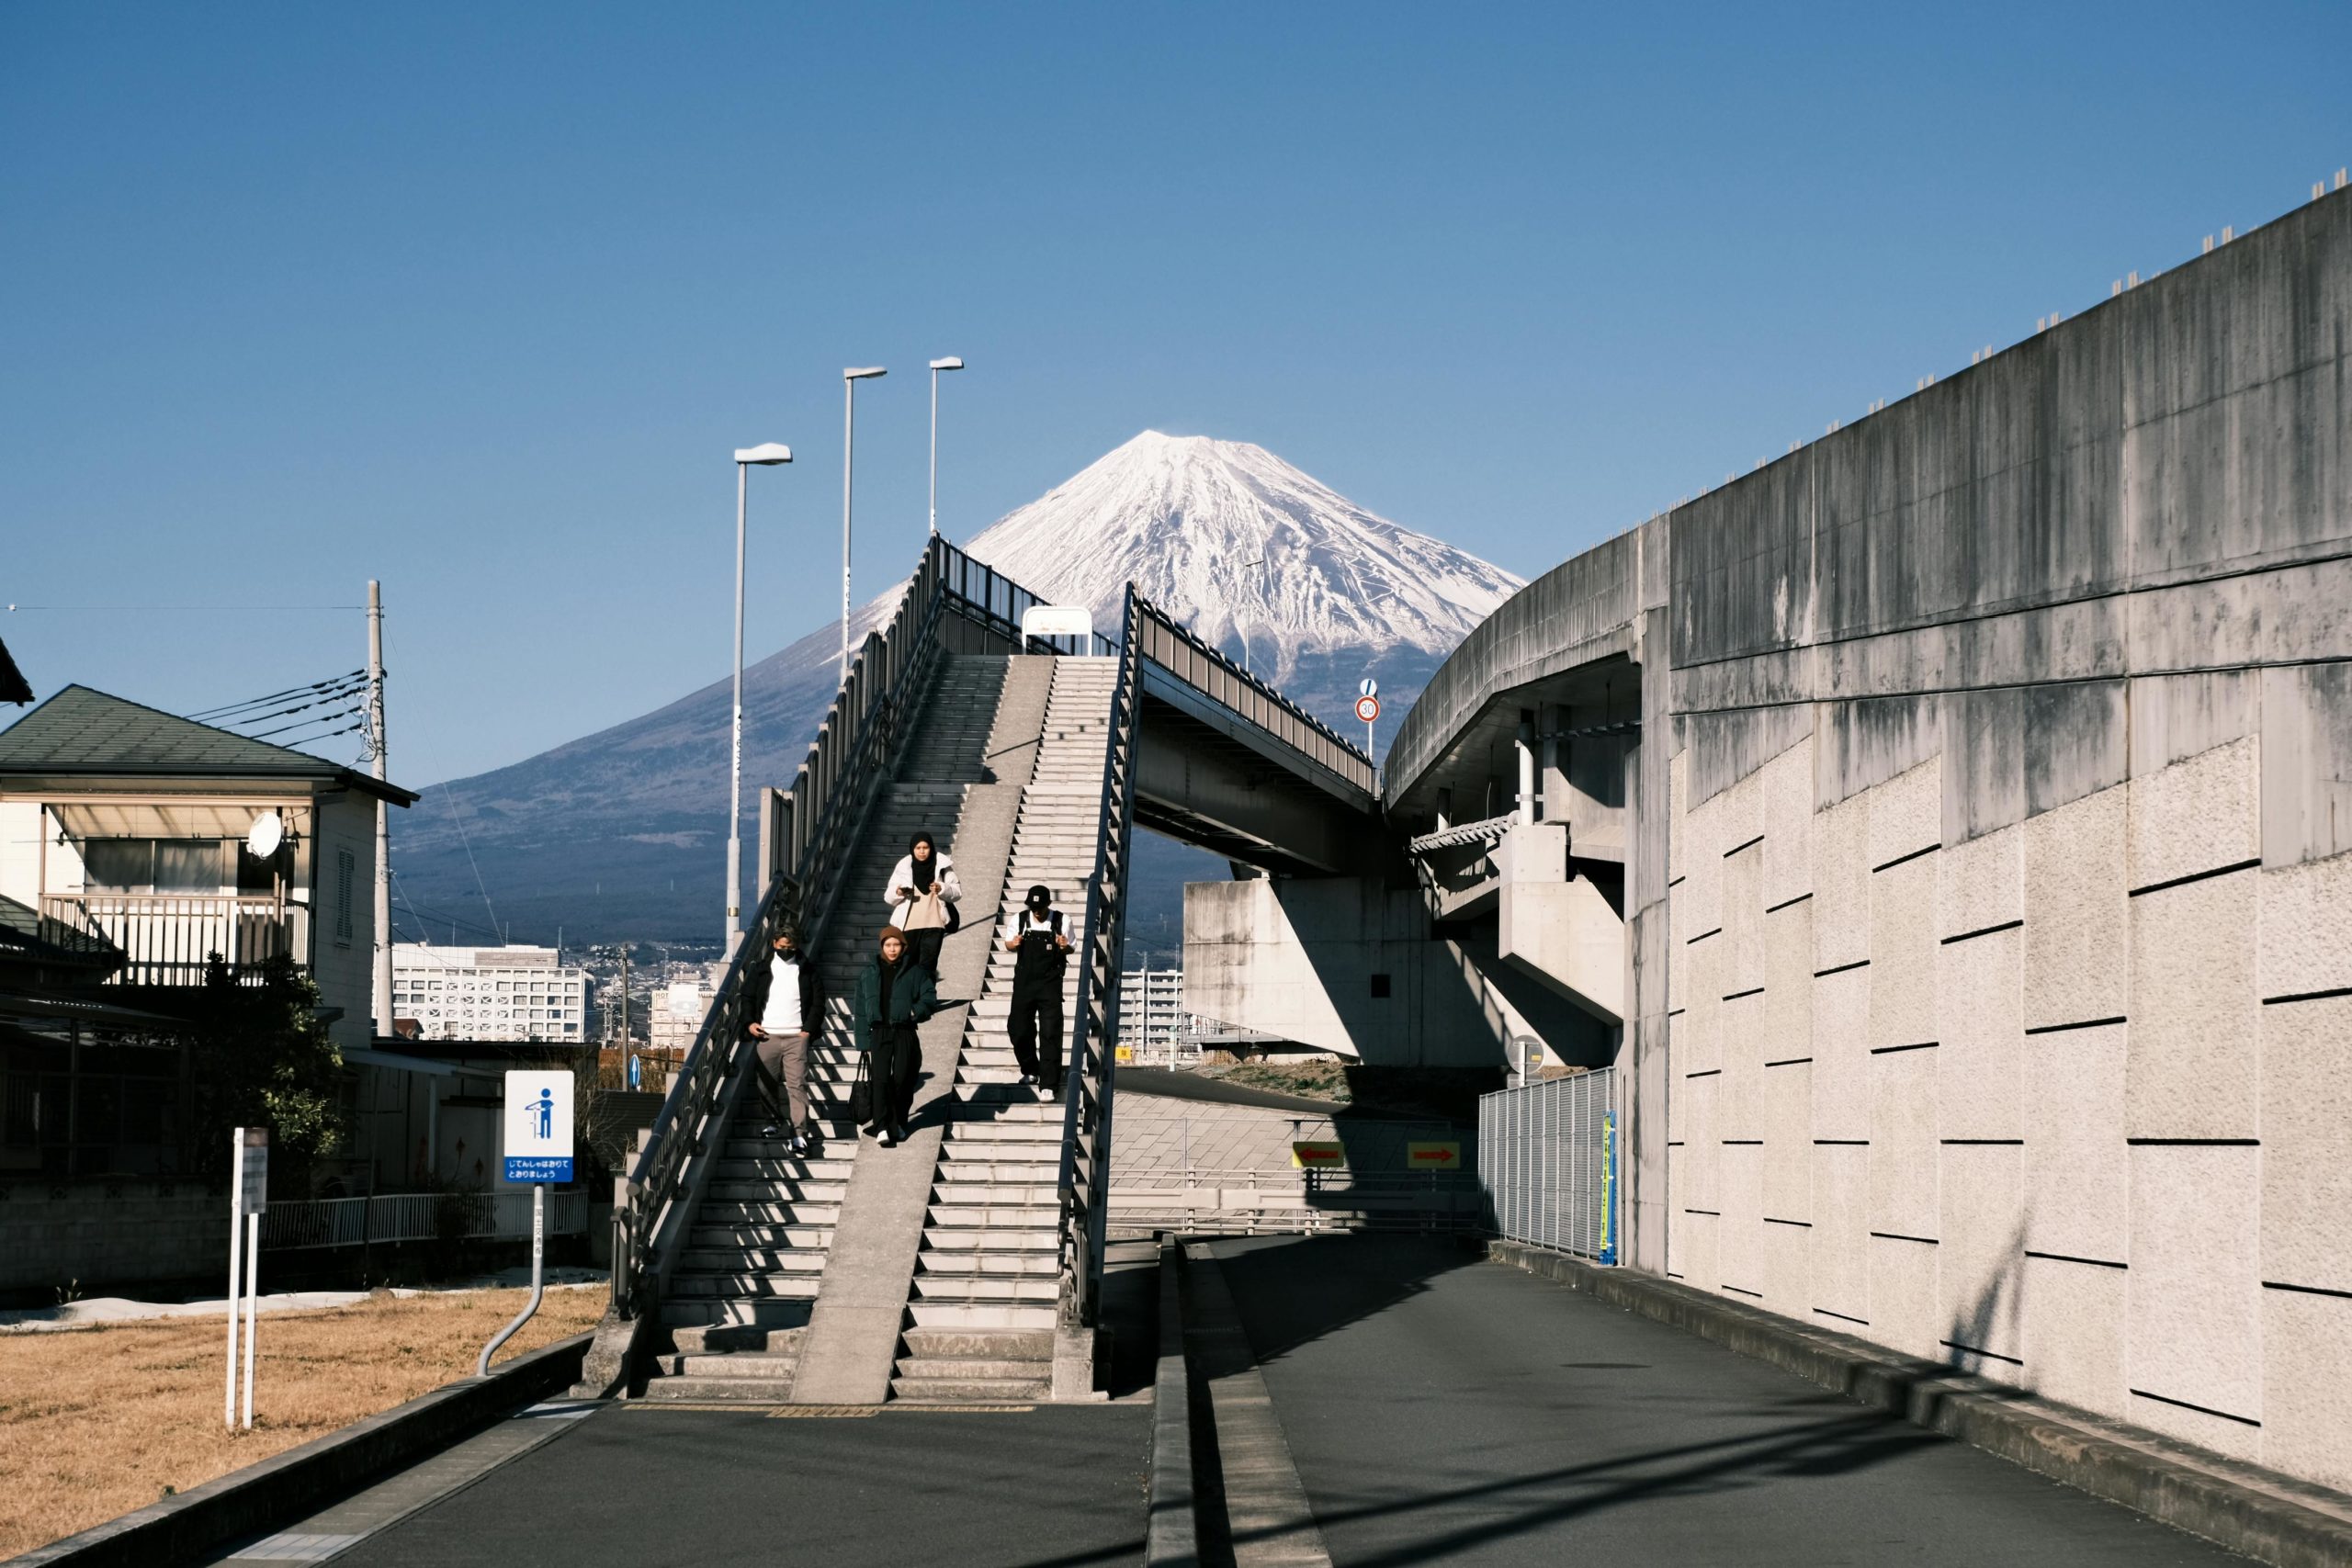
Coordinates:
1548 1163
1174 648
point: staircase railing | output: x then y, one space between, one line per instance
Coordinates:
853 752
1083 1185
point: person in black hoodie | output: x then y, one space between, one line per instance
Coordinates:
783 1007
892 996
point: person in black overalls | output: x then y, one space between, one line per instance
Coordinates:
1044 953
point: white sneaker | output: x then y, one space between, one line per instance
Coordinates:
1047 1095
883 1138
1029 1078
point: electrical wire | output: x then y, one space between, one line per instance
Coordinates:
316 689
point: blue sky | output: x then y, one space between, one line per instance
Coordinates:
478 300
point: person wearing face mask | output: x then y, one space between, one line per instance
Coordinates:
922 896
1043 948
784 1006
892 998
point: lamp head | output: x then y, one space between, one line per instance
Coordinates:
867 373
767 454
953 362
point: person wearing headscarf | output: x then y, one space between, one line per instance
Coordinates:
921 896
1041 948
892 996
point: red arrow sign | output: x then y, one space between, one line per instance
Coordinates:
1433 1154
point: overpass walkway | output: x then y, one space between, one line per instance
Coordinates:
965 1265
1441 1409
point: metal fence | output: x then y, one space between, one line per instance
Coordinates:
416 1216
1548 1164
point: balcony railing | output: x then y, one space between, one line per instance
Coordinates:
167 938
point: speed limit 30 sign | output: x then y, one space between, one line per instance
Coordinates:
1367 708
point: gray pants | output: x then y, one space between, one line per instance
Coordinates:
787 1056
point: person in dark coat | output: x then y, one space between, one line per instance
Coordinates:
891 998
784 1009
1043 954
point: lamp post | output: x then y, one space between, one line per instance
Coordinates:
951 362
850 379
766 456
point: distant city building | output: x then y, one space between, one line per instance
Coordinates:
490 993
1152 1020
680 1008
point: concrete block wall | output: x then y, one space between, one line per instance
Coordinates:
110 1232
2066 1101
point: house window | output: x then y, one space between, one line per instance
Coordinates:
346 865
152 865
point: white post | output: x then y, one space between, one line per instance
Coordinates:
735 776
383 987
539 1277
935 451
252 1305
1526 812
236 1265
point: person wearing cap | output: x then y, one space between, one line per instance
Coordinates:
784 1006
892 996
1042 945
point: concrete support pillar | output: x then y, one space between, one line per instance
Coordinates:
1525 746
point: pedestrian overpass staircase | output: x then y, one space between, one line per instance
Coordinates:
966 1264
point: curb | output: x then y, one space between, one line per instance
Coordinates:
249 1500
2259 1513
1172 1535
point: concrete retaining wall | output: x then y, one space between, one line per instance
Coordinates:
1989 899
111 1231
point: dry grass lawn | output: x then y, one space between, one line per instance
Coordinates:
96 1421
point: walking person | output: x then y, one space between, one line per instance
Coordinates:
1043 954
783 1007
892 996
922 897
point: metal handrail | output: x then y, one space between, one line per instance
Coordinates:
1083 1183
1199 664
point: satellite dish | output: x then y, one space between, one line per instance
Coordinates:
268 832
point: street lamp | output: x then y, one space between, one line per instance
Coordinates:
768 454
850 379
951 363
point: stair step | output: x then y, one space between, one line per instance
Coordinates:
1021 1344
710 1237
971 1390
736 1365
719 1391
981 1315
741 1287
733 1338
985 1288
749 1215
750 1260
769 1312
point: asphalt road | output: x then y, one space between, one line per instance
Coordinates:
1440 1408
650 1487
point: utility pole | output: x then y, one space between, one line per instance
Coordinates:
382 992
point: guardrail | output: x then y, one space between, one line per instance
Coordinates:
1548 1163
416 1216
1174 648
1083 1184
1309 1202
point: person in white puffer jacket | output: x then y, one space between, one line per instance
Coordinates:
921 896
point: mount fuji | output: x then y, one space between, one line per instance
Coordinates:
618 835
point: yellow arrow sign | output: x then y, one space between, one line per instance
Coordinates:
1433 1157
1313 1157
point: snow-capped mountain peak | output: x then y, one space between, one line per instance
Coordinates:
1186 517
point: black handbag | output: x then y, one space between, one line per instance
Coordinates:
861 1091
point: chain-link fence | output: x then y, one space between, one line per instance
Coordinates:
1548 1164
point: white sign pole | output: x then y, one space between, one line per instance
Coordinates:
236 1263
539 1137
252 1305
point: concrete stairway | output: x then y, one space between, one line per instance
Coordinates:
981 1307
740 1299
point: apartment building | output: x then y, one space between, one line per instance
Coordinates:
490 993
